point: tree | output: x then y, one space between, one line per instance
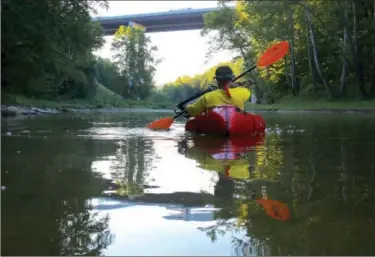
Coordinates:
50 56
135 61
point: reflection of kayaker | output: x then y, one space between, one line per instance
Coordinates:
235 168
223 155
275 209
227 146
224 187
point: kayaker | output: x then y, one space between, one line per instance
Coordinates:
224 95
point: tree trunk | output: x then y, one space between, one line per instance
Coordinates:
311 64
357 54
358 66
315 54
286 72
292 57
344 63
372 90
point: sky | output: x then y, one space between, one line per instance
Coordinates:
182 52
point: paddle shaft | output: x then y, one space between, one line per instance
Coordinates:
180 105
243 73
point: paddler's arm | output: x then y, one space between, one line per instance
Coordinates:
241 93
197 107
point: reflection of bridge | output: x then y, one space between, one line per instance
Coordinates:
174 20
192 214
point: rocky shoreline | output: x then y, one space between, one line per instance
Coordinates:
18 110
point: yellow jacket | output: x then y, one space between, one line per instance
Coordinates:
218 97
237 168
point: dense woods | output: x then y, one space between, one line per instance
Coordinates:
46 48
47 52
332 47
332 51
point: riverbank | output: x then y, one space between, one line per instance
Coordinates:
26 106
316 106
15 105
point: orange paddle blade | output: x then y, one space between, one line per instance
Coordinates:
273 54
163 123
275 209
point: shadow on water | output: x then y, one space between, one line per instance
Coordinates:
102 184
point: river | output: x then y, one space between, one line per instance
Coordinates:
103 184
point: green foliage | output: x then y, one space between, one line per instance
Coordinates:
46 48
135 62
328 39
185 86
51 57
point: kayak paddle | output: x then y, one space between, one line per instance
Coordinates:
273 54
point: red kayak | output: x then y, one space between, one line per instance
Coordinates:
229 148
226 120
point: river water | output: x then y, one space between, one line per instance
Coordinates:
103 184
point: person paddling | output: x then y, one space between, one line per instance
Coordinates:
223 96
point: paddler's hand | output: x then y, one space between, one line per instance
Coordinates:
246 84
235 84
187 115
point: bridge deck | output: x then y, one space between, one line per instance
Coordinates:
174 20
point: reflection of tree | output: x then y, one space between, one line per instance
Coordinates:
134 156
44 210
328 187
83 233
246 248
269 158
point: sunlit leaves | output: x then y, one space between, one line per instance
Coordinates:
185 86
252 26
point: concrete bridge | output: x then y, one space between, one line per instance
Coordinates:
174 20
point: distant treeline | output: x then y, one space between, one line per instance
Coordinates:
185 86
